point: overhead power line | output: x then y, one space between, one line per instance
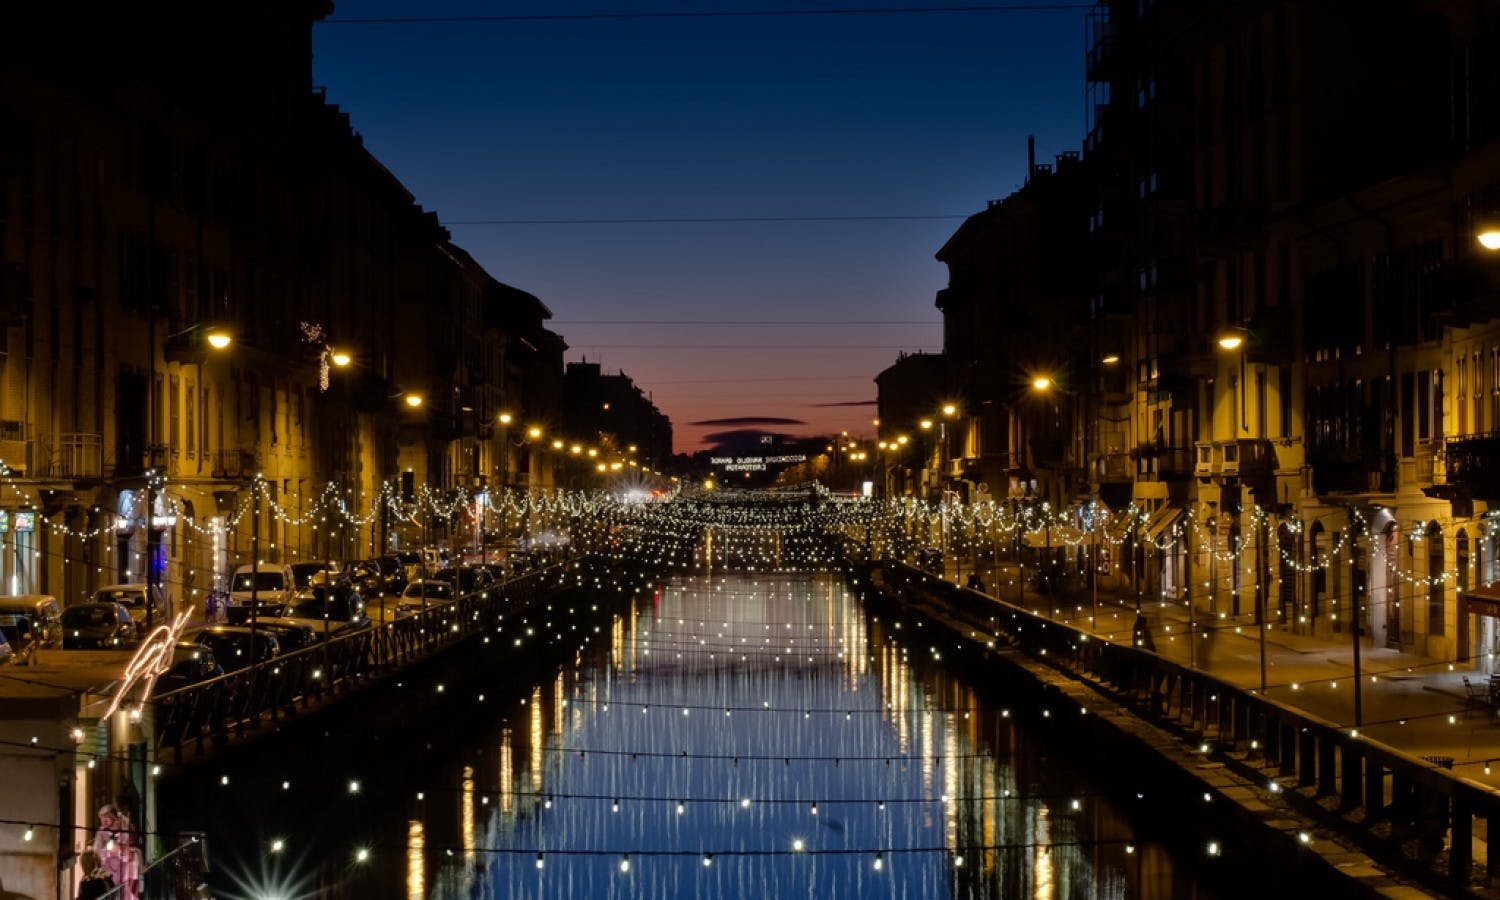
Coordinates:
708 14
797 322
696 346
707 220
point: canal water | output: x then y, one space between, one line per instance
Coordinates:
724 736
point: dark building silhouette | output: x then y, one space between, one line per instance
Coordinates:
613 412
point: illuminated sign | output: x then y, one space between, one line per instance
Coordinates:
4 520
753 463
25 521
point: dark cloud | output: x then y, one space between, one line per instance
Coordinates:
846 403
749 420
740 438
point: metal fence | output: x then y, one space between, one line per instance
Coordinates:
207 715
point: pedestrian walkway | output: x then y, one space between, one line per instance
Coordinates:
1408 701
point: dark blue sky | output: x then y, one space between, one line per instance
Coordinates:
720 117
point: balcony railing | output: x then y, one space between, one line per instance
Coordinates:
1113 467
79 455
1474 461
16 449
235 464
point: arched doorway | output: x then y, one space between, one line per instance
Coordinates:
1385 608
1286 572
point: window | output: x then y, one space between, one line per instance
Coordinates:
174 433
1424 406
1284 398
1476 375
192 430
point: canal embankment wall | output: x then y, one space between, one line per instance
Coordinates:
1244 783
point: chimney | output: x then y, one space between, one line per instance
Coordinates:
1030 156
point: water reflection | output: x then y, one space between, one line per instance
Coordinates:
761 736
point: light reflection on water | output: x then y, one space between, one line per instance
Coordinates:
737 718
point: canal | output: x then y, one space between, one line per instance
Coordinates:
730 735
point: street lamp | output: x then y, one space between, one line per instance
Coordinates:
217 339
1489 238
338 357
413 400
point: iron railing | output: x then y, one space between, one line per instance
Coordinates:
205 716
1366 790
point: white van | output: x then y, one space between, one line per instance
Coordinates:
270 584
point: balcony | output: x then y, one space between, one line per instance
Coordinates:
1113 467
1474 462
235 464
1345 470
78 456
16 450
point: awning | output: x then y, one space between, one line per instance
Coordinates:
1161 521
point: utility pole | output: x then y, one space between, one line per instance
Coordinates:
254 562
1359 715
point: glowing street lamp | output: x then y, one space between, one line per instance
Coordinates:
1110 359
414 400
1041 383
926 424
218 339
1489 238
950 410
1231 341
337 357
506 418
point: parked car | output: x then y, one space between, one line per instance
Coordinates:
304 573
466 579
424 593
412 564
231 644
139 599
393 571
332 610
99 626
31 621
366 578
270 586
497 571
192 662
291 636
434 558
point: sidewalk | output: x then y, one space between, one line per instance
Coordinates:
1411 702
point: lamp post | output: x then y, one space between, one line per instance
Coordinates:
217 339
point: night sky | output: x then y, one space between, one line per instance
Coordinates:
535 139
